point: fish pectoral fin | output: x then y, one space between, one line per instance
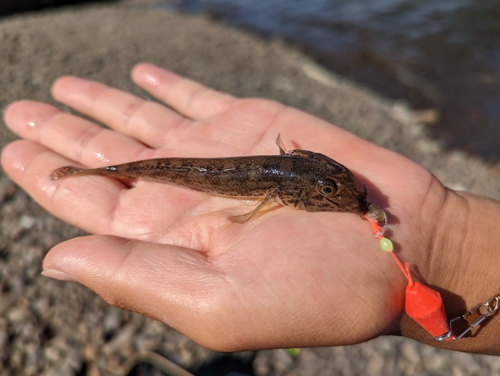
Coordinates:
264 205
281 145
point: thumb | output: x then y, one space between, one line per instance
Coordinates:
164 282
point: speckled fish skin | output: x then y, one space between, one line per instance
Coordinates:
299 178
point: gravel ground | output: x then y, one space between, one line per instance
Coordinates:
54 328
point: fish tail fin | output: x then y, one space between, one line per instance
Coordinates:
66 171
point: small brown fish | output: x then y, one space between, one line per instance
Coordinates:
299 178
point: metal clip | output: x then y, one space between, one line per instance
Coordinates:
482 310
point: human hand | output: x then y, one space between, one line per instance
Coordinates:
286 278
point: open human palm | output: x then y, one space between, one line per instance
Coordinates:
285 278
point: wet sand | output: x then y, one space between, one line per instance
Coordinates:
48 326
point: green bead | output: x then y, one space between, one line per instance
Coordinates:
386 245
293 352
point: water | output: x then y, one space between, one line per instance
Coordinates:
442 54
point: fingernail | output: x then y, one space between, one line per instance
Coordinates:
57 274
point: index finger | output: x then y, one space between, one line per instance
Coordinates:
188 97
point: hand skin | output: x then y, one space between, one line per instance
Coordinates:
287 278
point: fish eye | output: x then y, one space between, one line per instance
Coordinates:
327 188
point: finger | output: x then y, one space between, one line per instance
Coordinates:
185 96
147 121
73 137
88 203
170 284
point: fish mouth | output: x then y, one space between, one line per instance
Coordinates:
363 204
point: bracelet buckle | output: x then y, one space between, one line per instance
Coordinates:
482 311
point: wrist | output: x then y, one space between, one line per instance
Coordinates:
463 266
